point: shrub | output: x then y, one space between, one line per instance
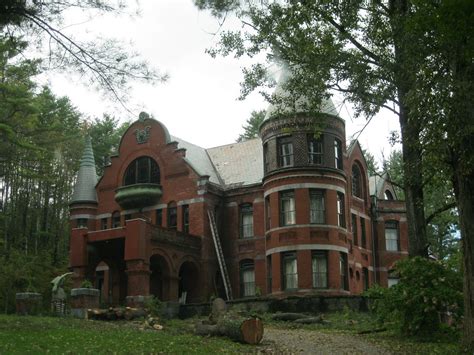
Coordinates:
87 284
154 306
426 291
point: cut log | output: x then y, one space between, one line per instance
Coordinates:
310 320
133 313
97 314
244 330
288 316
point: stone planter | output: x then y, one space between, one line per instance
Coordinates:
28 303
82 299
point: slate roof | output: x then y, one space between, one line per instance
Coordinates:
239 163
84 189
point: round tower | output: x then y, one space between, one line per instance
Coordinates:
305 199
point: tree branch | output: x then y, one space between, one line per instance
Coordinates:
439 211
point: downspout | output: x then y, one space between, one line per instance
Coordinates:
373 231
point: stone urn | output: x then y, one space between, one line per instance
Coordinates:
82 299
28 303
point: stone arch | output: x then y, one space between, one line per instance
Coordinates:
189 276
160 276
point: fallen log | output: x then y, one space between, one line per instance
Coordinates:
244 330
310 320
133 313
288 316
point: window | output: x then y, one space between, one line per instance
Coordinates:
186 218
142 170
393 278
287 208
354 229
103 223
246 221
290 271
172 215
343 270
116 219
320 269
392 241
365 275
81 223
363 234
159 217
337 153
316 206
315 149
268 216
356 181
341 220
266 158
285 152
269 274
388 195
247 278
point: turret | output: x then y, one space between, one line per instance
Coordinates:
84 198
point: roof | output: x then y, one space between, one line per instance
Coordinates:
239 163
375 185
199 160
84 189
299 105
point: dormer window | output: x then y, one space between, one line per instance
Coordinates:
142 170
388 195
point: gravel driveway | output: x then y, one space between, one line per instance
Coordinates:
301 341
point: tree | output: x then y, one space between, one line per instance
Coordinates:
101 63
372 167
252 125
413 58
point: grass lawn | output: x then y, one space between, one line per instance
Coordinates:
33 335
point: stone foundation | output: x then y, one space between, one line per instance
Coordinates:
28 303
82 299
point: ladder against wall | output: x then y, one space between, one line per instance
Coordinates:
220 255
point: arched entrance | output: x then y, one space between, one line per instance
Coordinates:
188 282
159 277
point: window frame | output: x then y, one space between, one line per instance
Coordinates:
104 223
133 172
344 279
392 225
159 217
338 158
363 233
245 229
268 213
172 212
185 218
356 181
289 256
287 195
116 219
355 232
315 149
314 213
341 210
325 274
283 156
247 265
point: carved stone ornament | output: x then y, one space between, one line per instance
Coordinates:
142 135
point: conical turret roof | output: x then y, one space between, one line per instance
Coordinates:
84 189
299 105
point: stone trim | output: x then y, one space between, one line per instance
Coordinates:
298 247
325 176
360 214
326 226
305 185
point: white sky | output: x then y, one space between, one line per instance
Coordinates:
199 101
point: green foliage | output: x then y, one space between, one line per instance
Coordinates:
154 306
252 125
87 284
426 290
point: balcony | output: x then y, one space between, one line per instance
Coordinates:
138 195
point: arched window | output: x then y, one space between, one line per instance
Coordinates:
247 278
142 170
388 195
356 181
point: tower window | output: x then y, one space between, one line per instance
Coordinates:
337 153
341 220
320 269
285 152
317 210
315 150
287 208
290 271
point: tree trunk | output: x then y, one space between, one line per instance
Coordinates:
244 330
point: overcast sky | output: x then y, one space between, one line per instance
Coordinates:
199 101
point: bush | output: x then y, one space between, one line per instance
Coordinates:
426 291
154 306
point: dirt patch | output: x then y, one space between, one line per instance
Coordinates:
301 341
